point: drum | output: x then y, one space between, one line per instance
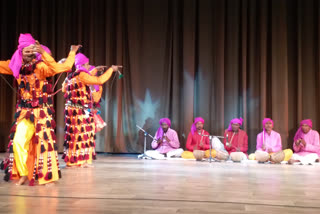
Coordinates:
277 157
222 155
262 156
237 156
198 154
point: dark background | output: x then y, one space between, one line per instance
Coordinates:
211 58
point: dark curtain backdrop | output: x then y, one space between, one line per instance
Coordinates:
211 58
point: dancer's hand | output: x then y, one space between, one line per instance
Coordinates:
62 60
303 142
75 48
116 67
37 48
101 67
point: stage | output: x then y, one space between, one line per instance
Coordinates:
124 184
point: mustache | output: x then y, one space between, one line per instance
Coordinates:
30 55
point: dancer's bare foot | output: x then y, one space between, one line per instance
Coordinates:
22 180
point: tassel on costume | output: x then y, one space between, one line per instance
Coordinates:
50 148
17 115
53 123
45 99
48 124
32 117
53 135
50 101
43 149
45 135
28 114
42 114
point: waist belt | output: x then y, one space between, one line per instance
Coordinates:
28 104
77 105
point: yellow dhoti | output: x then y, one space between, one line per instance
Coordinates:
24 132
287 154
189 155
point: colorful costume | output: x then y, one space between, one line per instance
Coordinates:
32 146
79 145
96 97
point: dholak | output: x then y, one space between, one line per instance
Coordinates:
237 156
198 154
277 157
262 156
222 155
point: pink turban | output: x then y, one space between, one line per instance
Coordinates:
299 133
196 120
38 56
235 121
80 60
160 130
265 120
306 122
25 40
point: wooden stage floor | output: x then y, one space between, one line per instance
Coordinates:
123 184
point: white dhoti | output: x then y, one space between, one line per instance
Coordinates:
217 144
175 153
307 159
221 152
157 155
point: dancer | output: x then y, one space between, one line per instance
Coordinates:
79 145
36 160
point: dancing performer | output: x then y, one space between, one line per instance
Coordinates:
32 147
79 145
